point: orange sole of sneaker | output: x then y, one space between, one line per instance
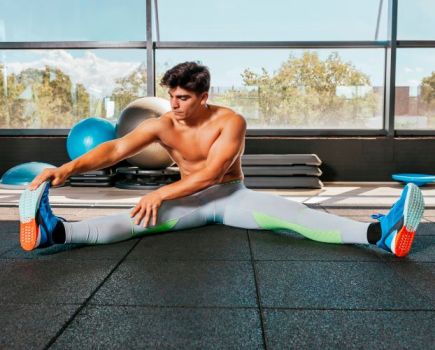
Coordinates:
28 234
404 241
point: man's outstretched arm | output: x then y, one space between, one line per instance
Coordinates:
224 151
104 155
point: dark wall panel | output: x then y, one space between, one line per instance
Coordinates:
344 158
357 159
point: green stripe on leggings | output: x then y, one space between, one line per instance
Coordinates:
166 226
267 222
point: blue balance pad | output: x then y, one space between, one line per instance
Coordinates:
21 175
417 179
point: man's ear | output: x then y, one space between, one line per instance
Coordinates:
204 98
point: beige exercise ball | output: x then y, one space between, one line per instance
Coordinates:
153 156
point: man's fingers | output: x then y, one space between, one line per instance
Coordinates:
38 180
154 216
147 216
34 185
145 213
56 181
139 216
134 211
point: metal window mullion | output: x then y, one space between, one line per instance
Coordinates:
385 95
402 132
156 14
416 43
390 77
250 132
378 21
34 132
150 50
269 44
50 45
314 132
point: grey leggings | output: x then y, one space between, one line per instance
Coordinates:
230 204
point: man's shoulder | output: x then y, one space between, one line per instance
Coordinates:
165 120
156 124
235 119
228 114
231 120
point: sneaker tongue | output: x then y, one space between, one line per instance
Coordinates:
377 216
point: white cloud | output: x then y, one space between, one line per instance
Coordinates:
413 82
408 70
96 74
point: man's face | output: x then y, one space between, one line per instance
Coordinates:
185 103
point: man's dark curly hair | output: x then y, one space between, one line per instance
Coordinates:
188 75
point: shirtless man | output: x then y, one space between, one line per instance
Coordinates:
206 142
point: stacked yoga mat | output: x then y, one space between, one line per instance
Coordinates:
96 178
260 170
282 170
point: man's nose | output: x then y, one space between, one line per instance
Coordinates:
174 104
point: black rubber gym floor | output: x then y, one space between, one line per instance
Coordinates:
216 287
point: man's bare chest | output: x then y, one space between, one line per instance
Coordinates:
189 145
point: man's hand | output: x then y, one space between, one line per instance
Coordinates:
147 207
58 176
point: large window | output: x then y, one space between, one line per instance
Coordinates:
48 89
416 20
314 67
415 71
415 89
78 20
293 89
257 20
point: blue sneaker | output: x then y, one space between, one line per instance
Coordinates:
37 221
398 227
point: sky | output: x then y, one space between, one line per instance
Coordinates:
198 20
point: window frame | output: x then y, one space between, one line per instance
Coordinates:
151 46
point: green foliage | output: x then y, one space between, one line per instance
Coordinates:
41 98
428 89
129 88
160 90
81 104
46 98
304 91
428 97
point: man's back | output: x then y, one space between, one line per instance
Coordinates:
189 146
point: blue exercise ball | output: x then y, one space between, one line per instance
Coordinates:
21 175
88 134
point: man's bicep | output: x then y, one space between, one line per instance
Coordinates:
227 147
142 135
